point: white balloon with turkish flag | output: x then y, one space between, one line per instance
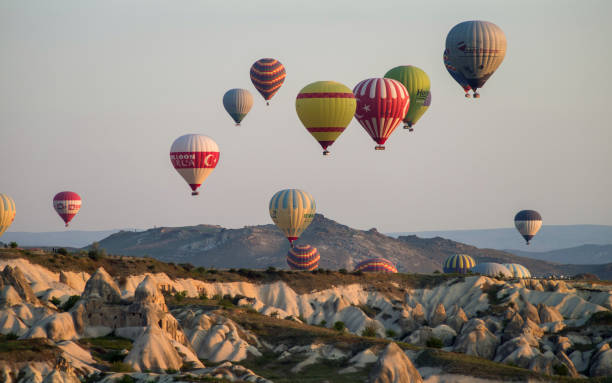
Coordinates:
194 156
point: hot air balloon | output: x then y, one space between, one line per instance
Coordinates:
376 265
325 108
67 204
7 212
517 270
194 157
292 210
458 263
528 223
303 257
492 269
237 102
268 76
476 49
417 83
382 104
456 75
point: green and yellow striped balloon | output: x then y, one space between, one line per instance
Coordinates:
292 210
418 85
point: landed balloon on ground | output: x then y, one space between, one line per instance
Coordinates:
456 75
194 157
492 269
458 263
292 210
67 204
325 108
476 49
376 265
7 212
303 257
517 270
268 76
382 104
528 223
237 102
418 85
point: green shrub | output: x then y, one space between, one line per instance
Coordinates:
437 272
62 251
13 245
180 295
339 326
70 302
121 367
323 323
203 295
271 270
11 336
125 379
561 369
434 342
343 271
369 331
55 301
390 333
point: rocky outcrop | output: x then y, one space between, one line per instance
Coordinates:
9 297
101 286
530 312
62 373
14 277
438 316
549 314
56 327
457 319
476 339
153 351
393 366
602 362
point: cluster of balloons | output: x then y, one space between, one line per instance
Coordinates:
474 50
463 263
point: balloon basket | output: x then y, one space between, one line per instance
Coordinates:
267 104
411 129
237 124
66 225
467 95
195 193
379 147
326 153
476 95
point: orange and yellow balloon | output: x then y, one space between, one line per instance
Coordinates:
7 212
292 210
325 108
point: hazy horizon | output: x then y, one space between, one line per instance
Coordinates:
94 94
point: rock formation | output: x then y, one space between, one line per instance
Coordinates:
393 366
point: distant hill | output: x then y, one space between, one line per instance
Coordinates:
340 247
68 238
550 237
580 255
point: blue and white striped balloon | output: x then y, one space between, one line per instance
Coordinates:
517 270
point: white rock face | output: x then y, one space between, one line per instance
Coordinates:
102 286
360 360
11 324
476 339
153 351
393 366
602 362
56 327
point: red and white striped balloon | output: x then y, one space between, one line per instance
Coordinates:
67 204
382 103
194 157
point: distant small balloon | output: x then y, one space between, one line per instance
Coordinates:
67 204
238 103
528 223
376 265
268 75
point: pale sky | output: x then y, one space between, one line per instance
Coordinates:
93 93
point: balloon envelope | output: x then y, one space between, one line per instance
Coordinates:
517 270
237 102
376 265
67 204
325 108
476 48
194 157
382 104
528 223
268 76
7 212
292 210
458 263
492 269
418 85
303 257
